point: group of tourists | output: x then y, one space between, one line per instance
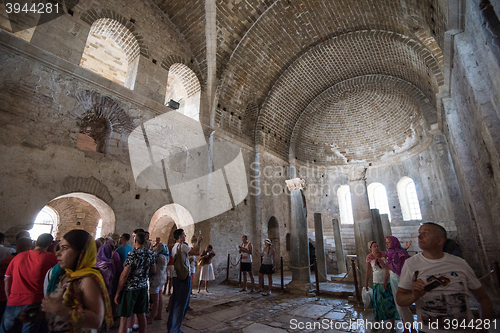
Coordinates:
436 281
78 284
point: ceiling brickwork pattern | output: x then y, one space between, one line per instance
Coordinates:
338 60
364 119
289 28
189 18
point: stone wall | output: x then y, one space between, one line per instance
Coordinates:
472 124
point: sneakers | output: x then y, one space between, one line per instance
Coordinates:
244 289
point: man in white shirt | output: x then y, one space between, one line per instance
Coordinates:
182 288
438 283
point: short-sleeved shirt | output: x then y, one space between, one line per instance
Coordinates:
5 251
139 260
450 300
184 254
27 271
123 251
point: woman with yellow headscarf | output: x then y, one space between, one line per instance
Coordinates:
73 305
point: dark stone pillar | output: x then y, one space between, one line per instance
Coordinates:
378 231
363 225
386 225
320 247
339 250
299 239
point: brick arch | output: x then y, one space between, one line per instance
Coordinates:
187 76
125 38
171 60
362 120
425 37
106 107
80 210
336 60
88 185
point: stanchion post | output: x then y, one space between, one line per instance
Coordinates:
227 270
282 278
355 276
316 273
239 282
497 270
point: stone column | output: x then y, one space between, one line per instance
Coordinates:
299 240
339 250
363 225
320 247
386 225
378 231
257 226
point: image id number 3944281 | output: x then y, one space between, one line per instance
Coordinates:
475 324
34 7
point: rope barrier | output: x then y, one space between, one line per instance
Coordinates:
301 267
234 265
323 276
346 274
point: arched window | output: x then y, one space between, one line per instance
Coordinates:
44 222
112 51
378 198
345 205
184 88
408 199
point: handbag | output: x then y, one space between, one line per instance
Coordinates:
201 262
181 269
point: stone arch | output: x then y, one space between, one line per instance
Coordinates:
169 218
273 232
87 185
170 60
79 210
184 87
92 15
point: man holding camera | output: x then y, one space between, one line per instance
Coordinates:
438 283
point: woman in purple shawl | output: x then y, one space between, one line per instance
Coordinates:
396 257
106 265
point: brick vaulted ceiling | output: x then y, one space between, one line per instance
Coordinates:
278 61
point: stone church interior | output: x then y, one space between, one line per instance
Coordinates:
301 121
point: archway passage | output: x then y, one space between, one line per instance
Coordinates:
169 218
78 211
274 235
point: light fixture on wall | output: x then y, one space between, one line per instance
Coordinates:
173 104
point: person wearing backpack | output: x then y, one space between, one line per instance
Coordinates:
181 280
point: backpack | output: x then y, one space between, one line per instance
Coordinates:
181 269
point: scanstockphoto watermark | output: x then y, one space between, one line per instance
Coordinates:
170 152
325 324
